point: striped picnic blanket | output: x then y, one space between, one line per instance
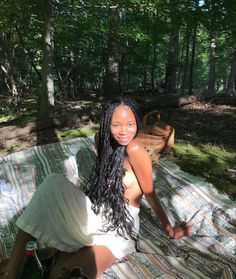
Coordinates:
208 253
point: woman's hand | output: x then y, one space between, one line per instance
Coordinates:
182 229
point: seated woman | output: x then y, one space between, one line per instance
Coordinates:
99 224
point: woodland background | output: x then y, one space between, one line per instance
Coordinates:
61 59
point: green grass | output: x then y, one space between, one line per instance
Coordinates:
6 118
209 161
12 148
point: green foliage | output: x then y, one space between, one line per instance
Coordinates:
80 38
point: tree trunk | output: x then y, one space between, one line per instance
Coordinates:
111 79
172 62
212 71
8 72
231 84
128 78
154 66
122 77
194 37
72 79
145 70
181 59
47 96
186 61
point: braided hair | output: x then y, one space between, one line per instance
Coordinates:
105 187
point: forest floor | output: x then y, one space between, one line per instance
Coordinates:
205 140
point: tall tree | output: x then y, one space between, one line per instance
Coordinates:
173 54
111 79
212 70
6 67
191 67
47 94
186 60
231 84
229 21
195 15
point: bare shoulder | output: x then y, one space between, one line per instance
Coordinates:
135 148
140 161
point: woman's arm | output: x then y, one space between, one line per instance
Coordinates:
142 167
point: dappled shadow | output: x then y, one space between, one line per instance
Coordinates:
47 136
86 109
214 125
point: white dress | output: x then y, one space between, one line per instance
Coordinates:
59 215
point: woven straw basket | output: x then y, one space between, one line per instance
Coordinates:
156 137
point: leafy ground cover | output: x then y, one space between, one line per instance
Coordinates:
205 142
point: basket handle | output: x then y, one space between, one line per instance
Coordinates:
144 122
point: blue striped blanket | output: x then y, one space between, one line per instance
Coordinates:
208 253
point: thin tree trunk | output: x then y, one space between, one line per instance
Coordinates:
122 72
231 84
72 79
8 72
172 61
173 55
212 71
194 37
128 79
59 77
111 78
154 66
145 70
186 61
179 74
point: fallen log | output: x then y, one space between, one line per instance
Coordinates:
68 120
165 100
221 99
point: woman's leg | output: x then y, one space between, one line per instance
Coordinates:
17 255
93 261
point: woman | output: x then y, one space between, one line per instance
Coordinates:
94 228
